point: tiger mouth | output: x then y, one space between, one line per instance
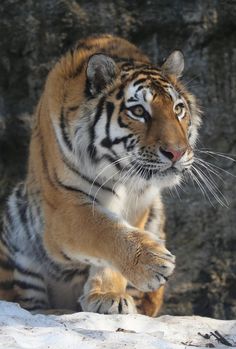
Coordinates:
147 172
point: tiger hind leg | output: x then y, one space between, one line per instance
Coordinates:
18 284
147 303
7 291
105 293
28 285
26 288
31 289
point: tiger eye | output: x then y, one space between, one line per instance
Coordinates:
179 108
138 110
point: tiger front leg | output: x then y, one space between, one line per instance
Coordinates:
74 232
105 293
153 220
148 263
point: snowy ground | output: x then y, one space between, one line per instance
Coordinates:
20 329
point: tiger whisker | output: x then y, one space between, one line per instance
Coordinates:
102 185
201 187
213 154
121 179
210 179
217 168
126 178
208 168
105 168
139 179
211 186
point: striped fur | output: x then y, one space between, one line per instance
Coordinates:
86 228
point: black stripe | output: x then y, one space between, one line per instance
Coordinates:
162 79
65 256
46 172
8 265
95 183
92 151
45 163
33 212
151 72
3 240
8 244
151 216
121 123
53 269
99 307
122 139
8 216
163 276
82 46
140 88
22 206
143 72
91 148
78 270
33 301
120 93
87 179
26 285
6 285
119 59
139 81
36 307
120 307
74 189
87 89
127 66
133 99
131 287
72 108
28 272
160 89
73 273
112 160
77 70
107 142
110 110
144 97
132 144
64 130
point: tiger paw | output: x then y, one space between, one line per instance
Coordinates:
148 263
108 303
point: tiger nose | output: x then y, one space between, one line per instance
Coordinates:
172 154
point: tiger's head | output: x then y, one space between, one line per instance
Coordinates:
133 120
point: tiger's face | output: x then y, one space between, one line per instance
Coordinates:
133 121
144 124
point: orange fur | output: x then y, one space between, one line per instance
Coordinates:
72 228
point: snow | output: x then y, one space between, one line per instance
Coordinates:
21 329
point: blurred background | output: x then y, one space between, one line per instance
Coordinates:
202 234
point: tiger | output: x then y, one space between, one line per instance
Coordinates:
85 230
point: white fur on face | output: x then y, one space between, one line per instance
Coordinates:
134 96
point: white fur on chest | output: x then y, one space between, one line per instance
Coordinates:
131 201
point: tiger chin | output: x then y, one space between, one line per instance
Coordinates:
85 230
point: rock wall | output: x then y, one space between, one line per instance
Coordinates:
34 33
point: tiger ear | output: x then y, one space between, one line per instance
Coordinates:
101 71
174 64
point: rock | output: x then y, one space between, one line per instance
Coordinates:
33 34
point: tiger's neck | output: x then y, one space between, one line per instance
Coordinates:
50 171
